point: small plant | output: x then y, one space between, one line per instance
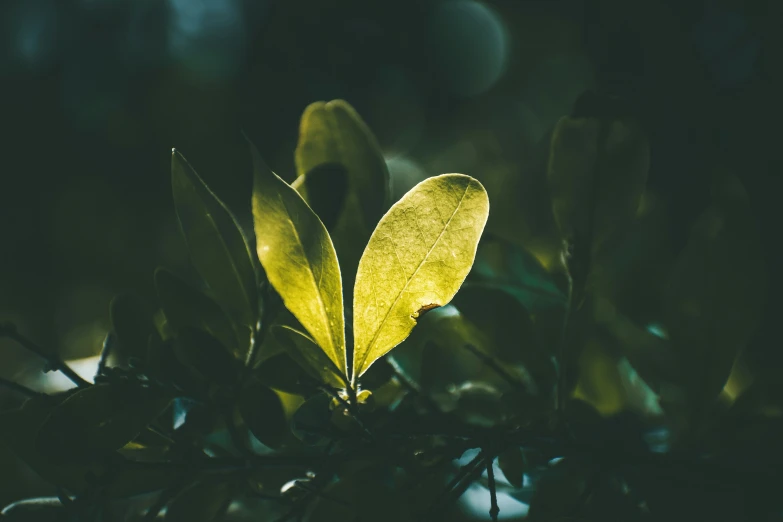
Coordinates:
269 389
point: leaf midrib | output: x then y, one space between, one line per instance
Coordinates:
324 315
399 295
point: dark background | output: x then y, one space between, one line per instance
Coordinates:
95 93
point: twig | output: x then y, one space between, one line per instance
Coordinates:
350 408
271 305
54 361
108 344
494 510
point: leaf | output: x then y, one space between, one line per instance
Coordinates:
204 502
714 297
132 325
312 359
18 431
184 306
560 493
512 464
263 413
282 373
204 354
416 260
44 509
98 420
501 264
312 421
597 174
217 246
325 188
299 259
333 134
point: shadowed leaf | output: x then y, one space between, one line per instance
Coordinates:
263 413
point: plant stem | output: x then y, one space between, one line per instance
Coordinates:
494 510
54 361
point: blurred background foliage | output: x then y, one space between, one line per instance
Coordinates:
97 92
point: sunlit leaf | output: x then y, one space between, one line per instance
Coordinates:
330 135
512 463
306 353
263 413
204 502
597 173
184 306
416 260
98 420
299 259
132 326
217 246
206 356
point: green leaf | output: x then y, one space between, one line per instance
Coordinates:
263 413
512 464
44 509
282 373
98 420
184 306
18 431
597 174
332 134
560 493
204 502
299 259
714 298
416 260
217 246
206 356
312 421
312 359
501 264
325 188
132 325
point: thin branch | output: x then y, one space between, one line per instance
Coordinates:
54 361
494 510
350 408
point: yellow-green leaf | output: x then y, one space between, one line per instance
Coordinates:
217 246
333 139
416 260
299 259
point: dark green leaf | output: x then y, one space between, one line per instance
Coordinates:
597 174
263 413
560 493
184 306
312 421
512 464
206 356
324 188
217 245
715 294
204 502
282 373
132 326
98 420
309 356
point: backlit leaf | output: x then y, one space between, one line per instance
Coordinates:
325 188
217 246
299 259
416 260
